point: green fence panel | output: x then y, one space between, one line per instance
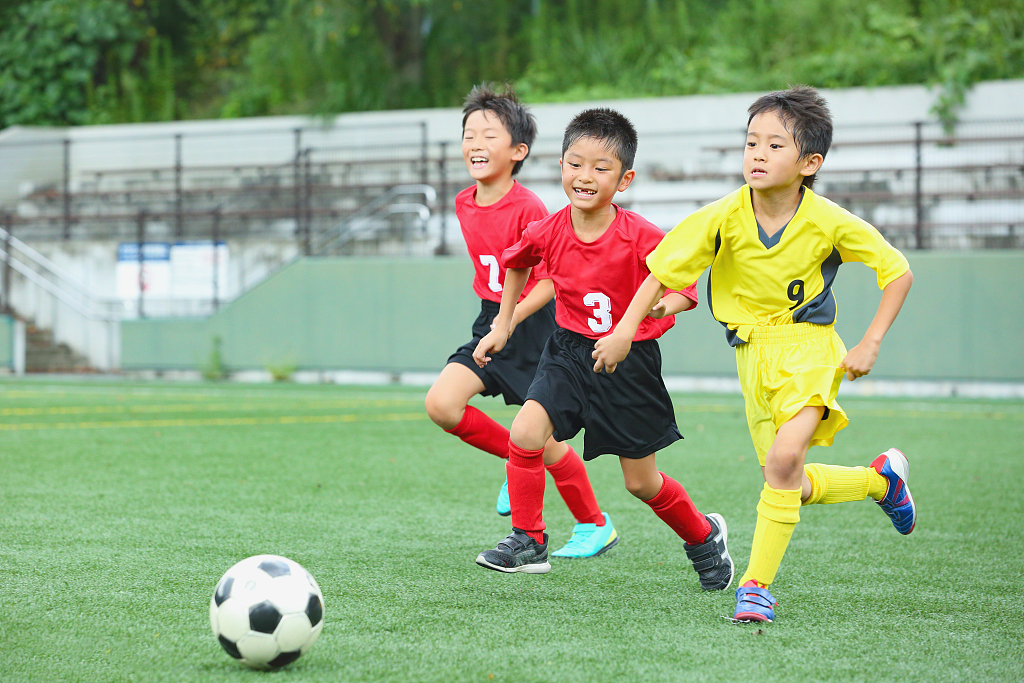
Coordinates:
6 341
963 315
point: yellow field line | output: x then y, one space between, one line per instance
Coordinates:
216 422
193 407
502 411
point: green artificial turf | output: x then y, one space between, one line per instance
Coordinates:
121 504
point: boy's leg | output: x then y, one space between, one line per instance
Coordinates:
704 535
525 549
447 405
525 469
570 476
885 480
777 513
827 484
594 532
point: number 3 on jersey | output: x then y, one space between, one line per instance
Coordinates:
491 263
602 320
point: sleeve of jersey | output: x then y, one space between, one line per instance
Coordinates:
858 240
685 252
540 271
526 253
648 241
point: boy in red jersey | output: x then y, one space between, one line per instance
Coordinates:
594 252
497 134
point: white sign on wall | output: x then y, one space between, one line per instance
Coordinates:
152 274
199 270
182 270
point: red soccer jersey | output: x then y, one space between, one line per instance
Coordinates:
594 281
489 230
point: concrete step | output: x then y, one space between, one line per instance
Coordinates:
42 354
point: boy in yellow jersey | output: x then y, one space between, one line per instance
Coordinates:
774 247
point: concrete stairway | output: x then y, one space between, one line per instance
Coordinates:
42 354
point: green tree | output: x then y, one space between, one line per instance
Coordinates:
90 61
55 55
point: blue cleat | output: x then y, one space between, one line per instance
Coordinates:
503 506
754 603
897 502
589 540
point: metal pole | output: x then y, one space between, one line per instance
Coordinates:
297 182
8 225
307 228
179 226
442 170
67 188
216 240
140 240
918 199
424 153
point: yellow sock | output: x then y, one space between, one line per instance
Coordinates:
836 484
777 515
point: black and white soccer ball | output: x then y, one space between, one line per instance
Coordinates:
267 611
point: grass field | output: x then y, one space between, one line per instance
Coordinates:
121 504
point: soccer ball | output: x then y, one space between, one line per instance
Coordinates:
266 611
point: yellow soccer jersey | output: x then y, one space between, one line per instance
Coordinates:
778 280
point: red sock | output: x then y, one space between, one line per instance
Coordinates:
476 429
571 478
675 508
525 470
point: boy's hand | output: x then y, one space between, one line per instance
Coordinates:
659 311
610 351
512 326
860 359
492 343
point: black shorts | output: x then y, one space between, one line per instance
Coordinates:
627 413
511 370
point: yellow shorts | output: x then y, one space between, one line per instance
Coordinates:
784 368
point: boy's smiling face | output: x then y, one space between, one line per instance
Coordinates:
487 148
772 159
592 174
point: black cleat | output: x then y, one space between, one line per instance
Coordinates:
711 558
517 553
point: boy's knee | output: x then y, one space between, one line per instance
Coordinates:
525 438
525 433
786 462
643 488
636 488
442 411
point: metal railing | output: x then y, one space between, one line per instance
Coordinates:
919 186
62 288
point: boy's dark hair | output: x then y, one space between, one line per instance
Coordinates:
504 104
806 116
608 126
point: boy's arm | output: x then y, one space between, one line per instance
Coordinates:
501 328
542 292
672 303
861 358
610 350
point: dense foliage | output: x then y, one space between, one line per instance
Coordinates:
95 61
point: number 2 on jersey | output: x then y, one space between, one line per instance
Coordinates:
602 311
491 263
